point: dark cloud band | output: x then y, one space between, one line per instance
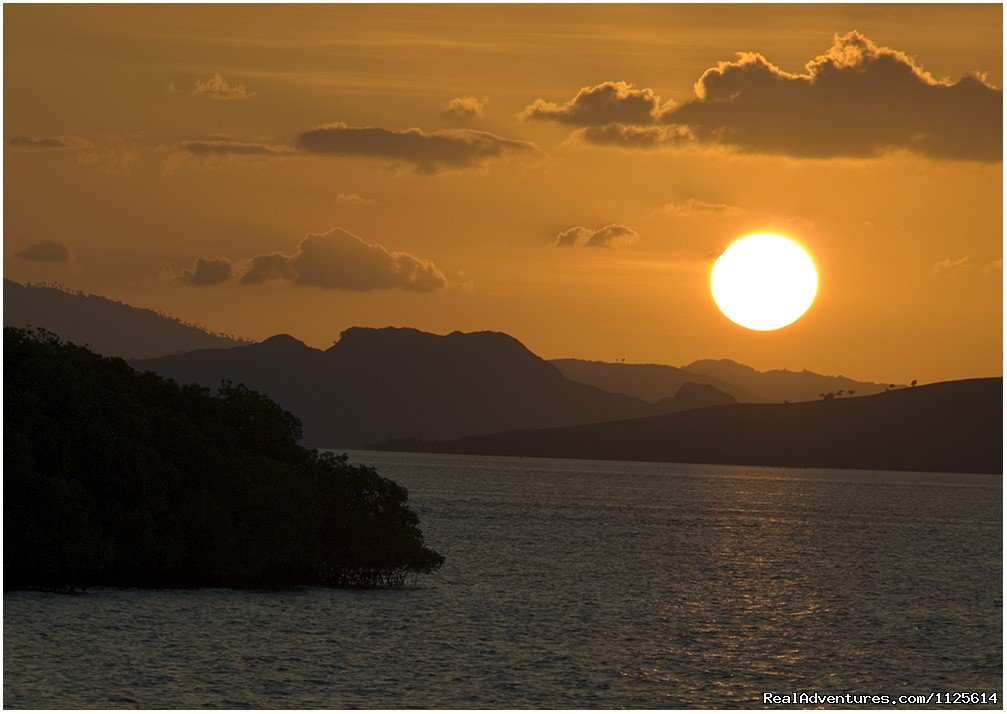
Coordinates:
427 152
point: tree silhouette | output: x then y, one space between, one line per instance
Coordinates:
120 478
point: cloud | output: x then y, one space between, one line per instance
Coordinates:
427 152
963 264
216 87
695 207
610 236
110 153
465 108
605 103
48 142
339 260
226 147
856 100
632 137
47 251
207 271
951 265
217 152
353 199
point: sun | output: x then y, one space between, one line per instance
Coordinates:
764 281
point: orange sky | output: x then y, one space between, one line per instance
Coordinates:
404 165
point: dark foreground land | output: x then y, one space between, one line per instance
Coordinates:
954 427
117 478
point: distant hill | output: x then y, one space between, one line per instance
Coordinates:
650 382
948 426
108 327
377 384
692 396
779 385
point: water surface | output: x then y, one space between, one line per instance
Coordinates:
573 584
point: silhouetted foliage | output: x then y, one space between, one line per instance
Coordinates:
120 478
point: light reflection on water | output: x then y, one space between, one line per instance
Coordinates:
574 584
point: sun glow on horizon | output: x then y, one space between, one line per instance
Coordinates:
764 281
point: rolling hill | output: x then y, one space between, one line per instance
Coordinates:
650 382
653 382
948 426
378 384
780 385
111 328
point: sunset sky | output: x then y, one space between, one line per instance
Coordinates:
565 174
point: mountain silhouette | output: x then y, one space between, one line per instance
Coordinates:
692 396
378 384
948 426
781 385
111 328
650 382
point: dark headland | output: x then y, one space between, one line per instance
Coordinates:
948 427
119 478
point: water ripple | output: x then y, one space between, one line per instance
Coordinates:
573 584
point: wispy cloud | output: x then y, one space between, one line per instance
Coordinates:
218 152
465 108
695 207
427 152
48 143
218 88
613 235
353 199
951 265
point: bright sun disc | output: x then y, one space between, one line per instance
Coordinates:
764 281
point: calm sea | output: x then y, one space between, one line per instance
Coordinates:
574 584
